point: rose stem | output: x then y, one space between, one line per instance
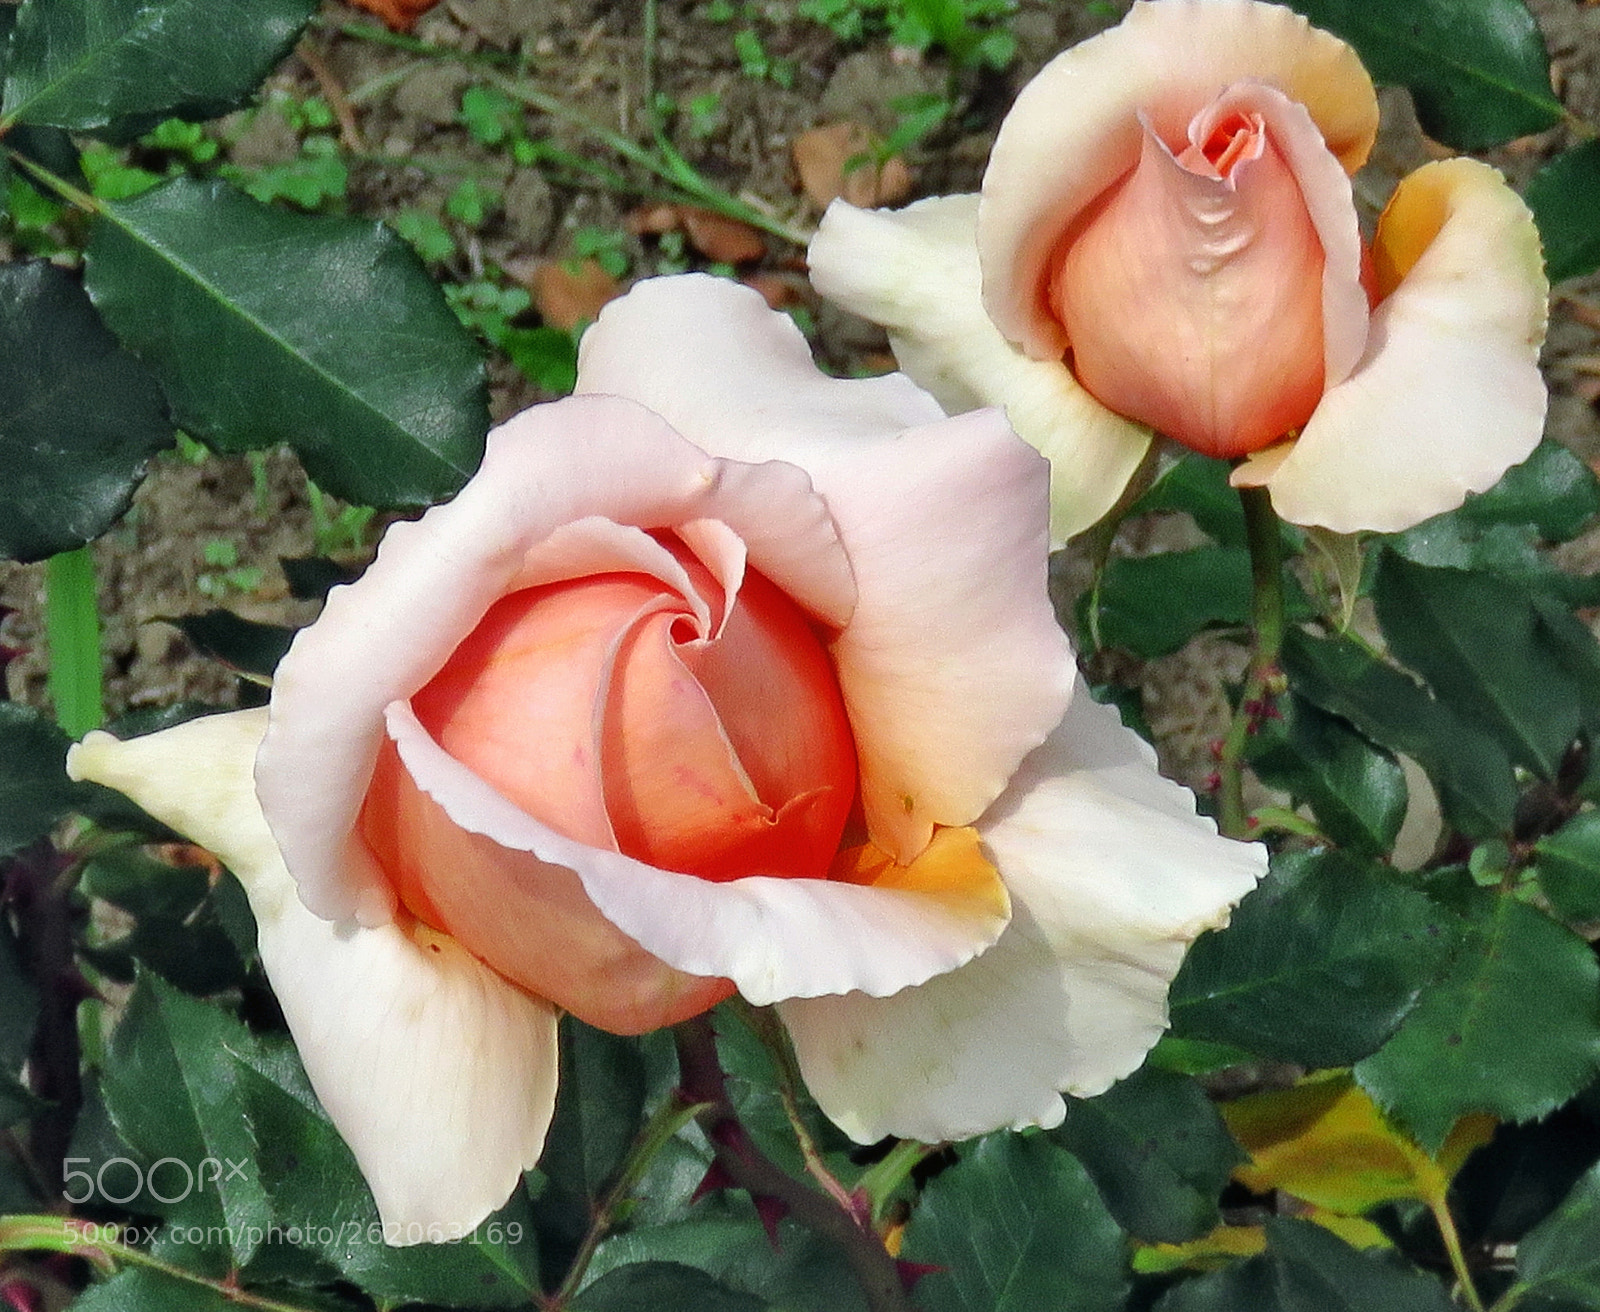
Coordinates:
1263 677
668 1119
702 1080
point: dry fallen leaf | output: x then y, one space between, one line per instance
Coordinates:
718 237
570 292
838 160
780 290
398 15
652 220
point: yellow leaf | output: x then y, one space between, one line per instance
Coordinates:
1326 1142
1206 1253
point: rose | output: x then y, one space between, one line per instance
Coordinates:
1166 239
756 688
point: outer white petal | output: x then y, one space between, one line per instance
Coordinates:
915 271
1112 875
952 666
775 938
439 1075
1449 394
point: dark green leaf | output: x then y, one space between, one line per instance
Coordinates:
79 416
1565 196
141 1290
143 886
1561 1256
171 1088
311 578
1356 789
1198 486
1552 490
123 65
1508 551
1472 772
1475 640
322 1204
35 792
1568 865
658 1286
1152 605
320 332
598 1110
544 356
1308 1269
1477 69
1158 1152
799 1273
1016 1226
240 644
1318 966
1512 1027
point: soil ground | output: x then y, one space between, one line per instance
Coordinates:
409 150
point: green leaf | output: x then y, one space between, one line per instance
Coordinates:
1552 489
1561 1255
321 1203
598 1110
139 1289
1319 965
800 1273
171 1088
1477 69
1308 1269
1152 605
1157 1151
323 333
1198 486
79 416
35 793
1356 789
1511 1028
1016 1226
1567 863
240 644
1472 772
654 1286
120 66
1564 196
1510 552
1474 639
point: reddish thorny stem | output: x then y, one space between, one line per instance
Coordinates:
702 1080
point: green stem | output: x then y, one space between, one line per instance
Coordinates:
72 634
669 1118
1458 1258
1262 678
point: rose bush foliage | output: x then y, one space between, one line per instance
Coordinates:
719 675
1166 242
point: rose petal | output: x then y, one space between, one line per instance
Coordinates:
1074 130
1193 301
1449 394
386 635
915 271
953 667
775 938
438 1073
1112 874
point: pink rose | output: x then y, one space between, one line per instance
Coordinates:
1166 240
720 675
